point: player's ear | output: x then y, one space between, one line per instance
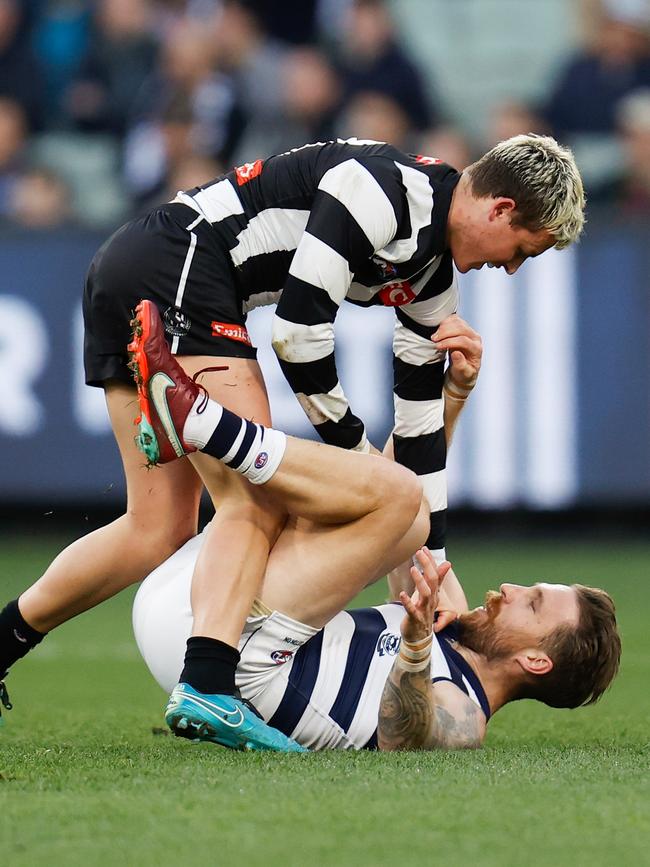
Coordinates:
532 660
502 207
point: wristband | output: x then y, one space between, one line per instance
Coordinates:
415 656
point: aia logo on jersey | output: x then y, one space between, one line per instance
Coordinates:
427 161
396 294
248 171
279 657
388 644
232 332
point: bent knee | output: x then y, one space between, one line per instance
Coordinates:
401 488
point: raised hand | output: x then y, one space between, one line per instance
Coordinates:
421 606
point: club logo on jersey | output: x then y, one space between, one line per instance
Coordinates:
427 161
248 171
176 322
279 657
388 644
260 460
396 294
232 332
387 269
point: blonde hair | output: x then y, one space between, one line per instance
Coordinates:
541 177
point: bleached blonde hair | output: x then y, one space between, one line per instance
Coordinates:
542 177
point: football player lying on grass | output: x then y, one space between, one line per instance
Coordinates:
382 676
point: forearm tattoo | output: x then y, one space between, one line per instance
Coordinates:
410 718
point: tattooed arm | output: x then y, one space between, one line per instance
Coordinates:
416 714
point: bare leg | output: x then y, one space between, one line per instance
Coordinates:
161 515
314 570
229 570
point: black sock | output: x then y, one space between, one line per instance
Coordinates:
17 637
210 666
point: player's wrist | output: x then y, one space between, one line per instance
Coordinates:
415 655
456 390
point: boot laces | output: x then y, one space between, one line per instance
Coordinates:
205 397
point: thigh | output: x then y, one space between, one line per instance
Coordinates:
315 570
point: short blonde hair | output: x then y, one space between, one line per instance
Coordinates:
541 177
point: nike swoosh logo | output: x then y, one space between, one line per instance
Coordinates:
158 385
231 718
20 637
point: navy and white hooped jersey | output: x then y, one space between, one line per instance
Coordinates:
351 220
327 694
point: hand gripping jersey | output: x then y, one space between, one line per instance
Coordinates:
321 687
351 220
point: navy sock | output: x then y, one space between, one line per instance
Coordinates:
17 637
210 666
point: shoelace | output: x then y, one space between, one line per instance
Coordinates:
4 697
206 397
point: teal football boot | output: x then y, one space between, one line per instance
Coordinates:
223 719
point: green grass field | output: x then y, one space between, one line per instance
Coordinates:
86 777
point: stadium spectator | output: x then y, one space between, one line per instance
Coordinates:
13 146
352 519
61 37
629 191
40 200
120 57
20 78
511 117
309 94
595 79
377 117
447 143
372 58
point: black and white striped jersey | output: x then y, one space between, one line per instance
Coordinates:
353 220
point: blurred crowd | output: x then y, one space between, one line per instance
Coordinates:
111 106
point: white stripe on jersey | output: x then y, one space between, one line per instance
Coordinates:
218 201
412 348
315 727
356 189
270 231
434 486
298 343
413 418
316 263
320 408
419 196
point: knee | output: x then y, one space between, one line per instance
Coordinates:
401 491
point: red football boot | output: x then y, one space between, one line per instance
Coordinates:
166 393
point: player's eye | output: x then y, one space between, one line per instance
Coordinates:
532 605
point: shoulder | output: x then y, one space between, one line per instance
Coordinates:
459 722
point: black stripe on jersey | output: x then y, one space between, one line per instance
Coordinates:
305 304
346 434
369 624
459 667
372 743
302 679
413 382
386 173
331 222
422 330
264 272
311 377
437 530
422 454
440 280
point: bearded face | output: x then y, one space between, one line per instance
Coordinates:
480 630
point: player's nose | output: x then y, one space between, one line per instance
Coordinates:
508 591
